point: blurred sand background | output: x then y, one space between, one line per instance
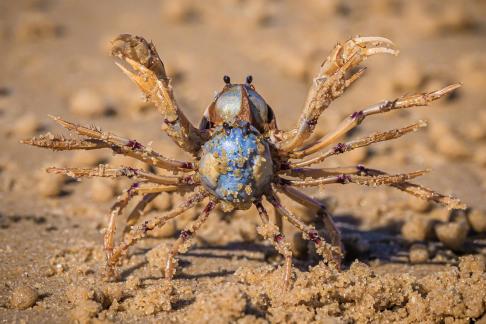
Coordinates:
54 59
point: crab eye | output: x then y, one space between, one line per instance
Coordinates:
259 107
228 104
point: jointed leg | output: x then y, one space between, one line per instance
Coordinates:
315 173
357 117
150 76
331 82
117 209
271 232
330 227
149 195
60 143
330 252
408 187
137 174
421 192
138 232
110 231
341 148
98 139
183 241
366 180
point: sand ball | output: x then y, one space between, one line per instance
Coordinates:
133 282
475 131
102 190
84 159
418 254
87 103
85 311
418 205
157 257
452 235
27 125
163 202
477 220
408 75
49 185
453 147
246 229
480 156
167 231
417 228
356 156
23 297
472 264
33 26
180 12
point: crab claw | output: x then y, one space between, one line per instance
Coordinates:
355 51
137 49
144 78
373 45
145 68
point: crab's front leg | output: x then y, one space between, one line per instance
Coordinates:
334 76
148 72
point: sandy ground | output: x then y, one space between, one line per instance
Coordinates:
406 260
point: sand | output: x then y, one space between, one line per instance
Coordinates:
406 260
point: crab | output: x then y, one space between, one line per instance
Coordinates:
240 155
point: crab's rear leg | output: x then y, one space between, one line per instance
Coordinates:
183 241
339 175
149 194
357 117
148 72
272 233
365 180
322 211
120 204
333 78
330 253
138 232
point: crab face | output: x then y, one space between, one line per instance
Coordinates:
236 165
239 102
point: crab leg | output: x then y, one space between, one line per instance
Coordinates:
104 171
148 72
183 242
120 204
60 143
303 173
149 195
331 82
322 211
367 180
361 142
138 232
99 139
419 191
408 187
308 231
271 233
357 117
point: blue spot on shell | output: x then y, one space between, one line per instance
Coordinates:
236 165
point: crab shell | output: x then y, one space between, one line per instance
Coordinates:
236 163
239 102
